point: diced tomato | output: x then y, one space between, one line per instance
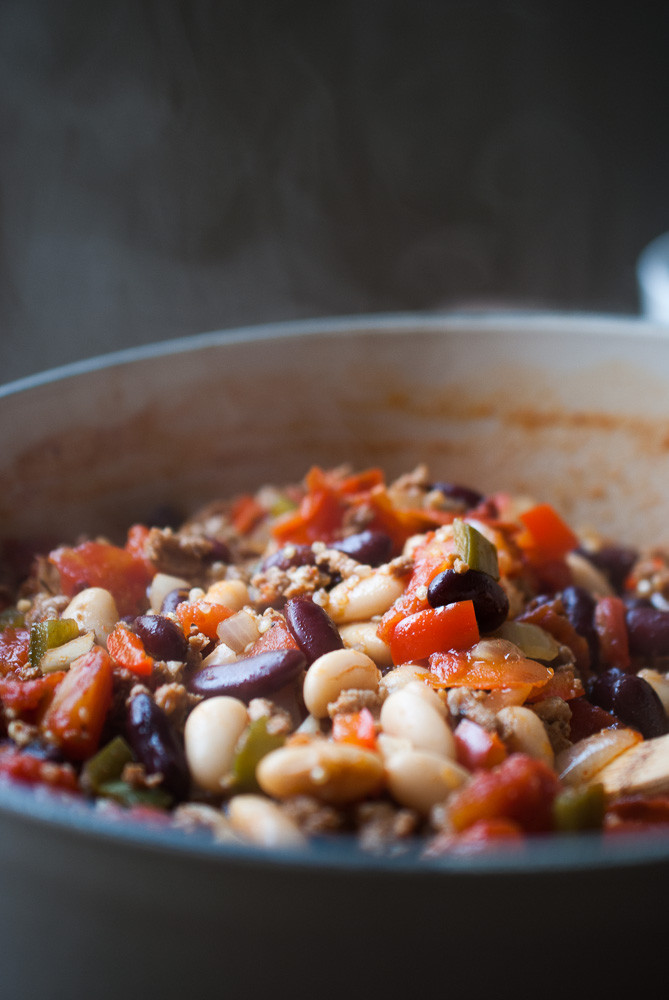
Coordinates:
355 727
451 627
127 649
278 636
14 648
24 767
563 684
466 669
587 719
26 696
520 789
136 545
100 564
611 627
319 517
246 512
476 747
203 615
75 718
399 523
548 535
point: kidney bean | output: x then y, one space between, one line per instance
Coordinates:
631 699
162 638
251 677
579 606
463 494
614 561
156 745
648 629
290 557
370 547
311 627
219 552
491 605
173 598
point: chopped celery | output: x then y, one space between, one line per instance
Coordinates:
129 795
106 765
475 549
577 809
535 642
48 634
257 742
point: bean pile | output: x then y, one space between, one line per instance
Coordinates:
404 662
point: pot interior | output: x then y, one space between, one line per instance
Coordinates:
572 410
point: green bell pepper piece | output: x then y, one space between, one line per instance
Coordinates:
48 634
475 549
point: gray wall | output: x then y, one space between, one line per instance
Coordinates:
173 167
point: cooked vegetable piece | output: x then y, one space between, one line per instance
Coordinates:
475 549
127 649
549 535
99 564
49 634
255 744
106 765
78 710
576 809
433 630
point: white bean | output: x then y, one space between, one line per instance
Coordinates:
94 610
263 822
234 594
362 636
359 598
337 773
408 713
402 675
210 737
334 672
523 732
162 585
420 779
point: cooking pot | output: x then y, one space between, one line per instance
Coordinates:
569 408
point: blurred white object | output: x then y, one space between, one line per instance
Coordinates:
653 279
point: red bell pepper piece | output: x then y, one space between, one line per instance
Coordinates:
75 718
549 536
428 560
435 629
127 649
203 615
355 727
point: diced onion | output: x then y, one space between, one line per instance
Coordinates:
580 763
238 631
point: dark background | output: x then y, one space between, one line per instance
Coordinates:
171 167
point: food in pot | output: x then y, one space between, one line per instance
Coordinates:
410 663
